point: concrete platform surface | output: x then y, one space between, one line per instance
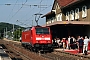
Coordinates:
3 55
76 52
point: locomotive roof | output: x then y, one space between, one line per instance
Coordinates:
27 29
38 26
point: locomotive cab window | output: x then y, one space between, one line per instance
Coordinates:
42 30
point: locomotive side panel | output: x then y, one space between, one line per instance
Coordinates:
37 38
26 38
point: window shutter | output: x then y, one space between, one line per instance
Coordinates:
77 13
84 11
71 15
60 16
67 16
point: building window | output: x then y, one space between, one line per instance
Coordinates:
59 17
71 15
67 16
84 11
77 13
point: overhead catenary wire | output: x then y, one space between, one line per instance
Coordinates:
24 23
33 8
41 10
27 14
17 11
39 13
12 8
30 5
37 5
36 15
40 4
28 18
33 14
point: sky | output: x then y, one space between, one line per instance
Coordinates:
22 12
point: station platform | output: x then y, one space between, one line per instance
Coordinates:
3 55
71 51
67 50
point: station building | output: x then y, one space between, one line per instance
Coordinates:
69 18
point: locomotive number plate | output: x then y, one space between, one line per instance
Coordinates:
42 41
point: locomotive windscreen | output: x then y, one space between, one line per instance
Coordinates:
42 30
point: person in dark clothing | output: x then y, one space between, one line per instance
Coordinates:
80 41
55 44
71 43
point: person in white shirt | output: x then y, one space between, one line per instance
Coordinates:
68 44
20 39
58 41
85 46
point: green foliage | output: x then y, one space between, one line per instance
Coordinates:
17 34
8 25
17 29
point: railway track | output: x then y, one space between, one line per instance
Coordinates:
17 52
14 54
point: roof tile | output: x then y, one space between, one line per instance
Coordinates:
63 3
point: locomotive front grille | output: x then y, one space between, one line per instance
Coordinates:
43 46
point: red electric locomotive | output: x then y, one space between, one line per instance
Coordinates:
37 38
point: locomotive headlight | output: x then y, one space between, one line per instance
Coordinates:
47 38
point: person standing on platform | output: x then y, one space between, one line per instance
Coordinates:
20 39
55 42
85 47
58 42
71 42
68 43
64 43
77 42
80 41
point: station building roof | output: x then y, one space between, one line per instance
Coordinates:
49 13
64 3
